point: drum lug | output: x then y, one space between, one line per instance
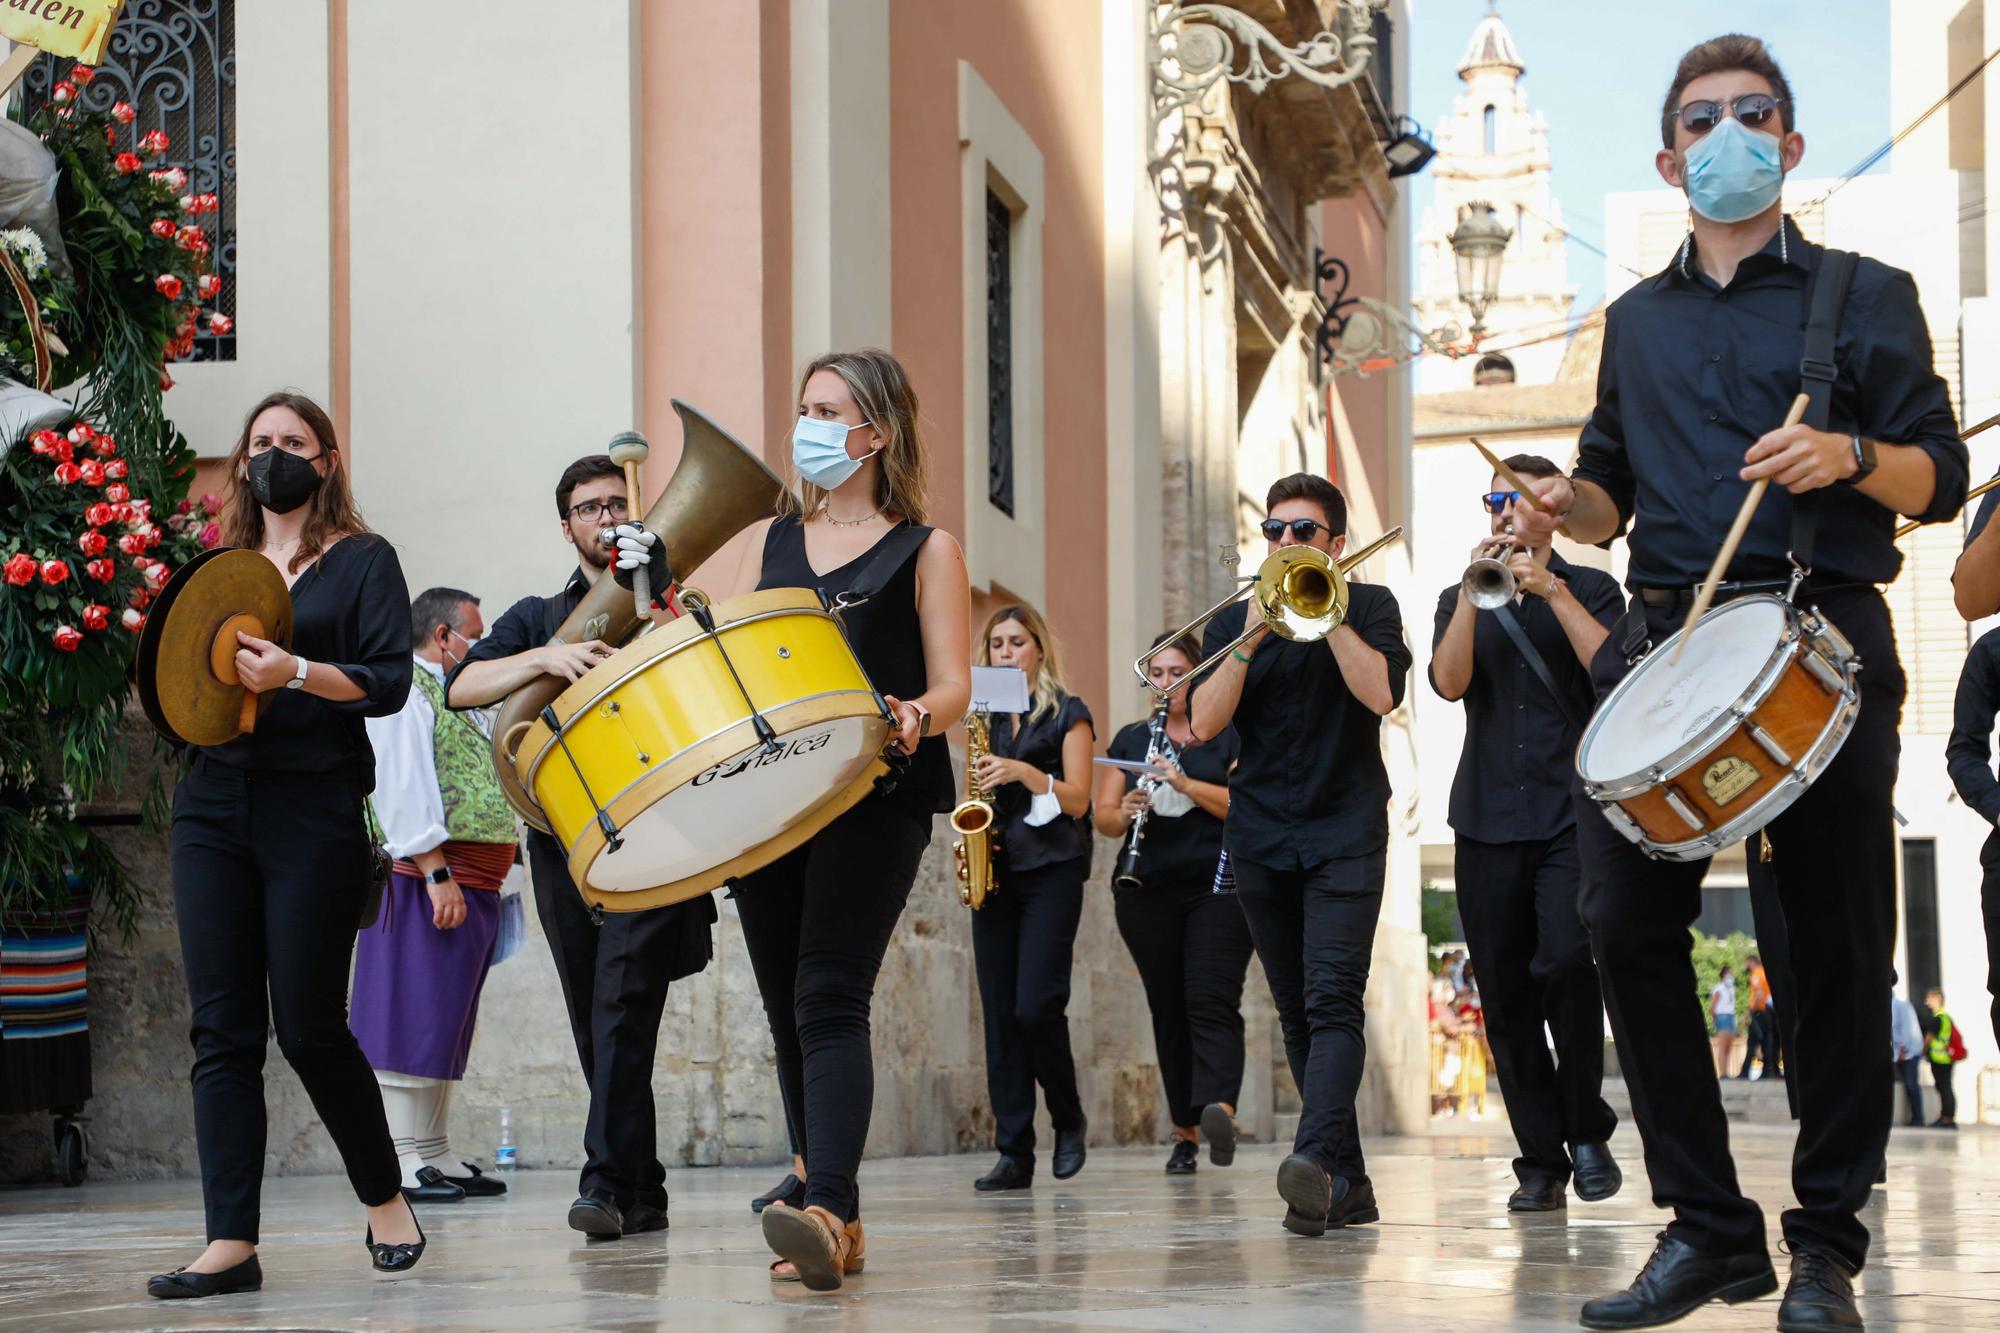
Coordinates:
1770 744
1679 806
1831 680
1623 822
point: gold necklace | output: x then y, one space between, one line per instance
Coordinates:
827 514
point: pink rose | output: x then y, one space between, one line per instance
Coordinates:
210 536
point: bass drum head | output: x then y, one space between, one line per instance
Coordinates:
1663 704
738 804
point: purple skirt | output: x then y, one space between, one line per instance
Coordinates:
416 988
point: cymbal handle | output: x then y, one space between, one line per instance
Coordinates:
246 722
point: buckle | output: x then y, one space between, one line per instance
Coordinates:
1823 371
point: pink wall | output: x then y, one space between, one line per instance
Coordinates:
1354 230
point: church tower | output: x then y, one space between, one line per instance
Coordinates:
1493 149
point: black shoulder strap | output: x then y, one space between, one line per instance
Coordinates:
899 545
1825 295
1505 615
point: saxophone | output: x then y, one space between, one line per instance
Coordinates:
1157 748
972 820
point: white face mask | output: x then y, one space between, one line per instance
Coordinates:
819 452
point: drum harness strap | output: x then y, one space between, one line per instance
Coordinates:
1505 615
896 546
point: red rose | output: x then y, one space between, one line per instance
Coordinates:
168 286
117 493
116 468
91 471
54 572
124 113
121 513
81 433
192 238
96 616
208 286
220 324
132 544
133 620
156 573
99 514
110 137
141 509
207 203
64 450
153 142
80 74
63 93
20 569
67 638
186 506
103 570
92 543
166 380
164 228
210 536
127 163
67 474
105 447
172 177
44 443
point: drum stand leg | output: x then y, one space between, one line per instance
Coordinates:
612 842
766 734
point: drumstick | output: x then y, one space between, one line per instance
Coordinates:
1906 529
1706 593
1507 474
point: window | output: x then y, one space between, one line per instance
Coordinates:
999 354
1490 118
175 61
1382 65
1921 945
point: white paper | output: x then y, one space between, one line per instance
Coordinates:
1139 766
999 690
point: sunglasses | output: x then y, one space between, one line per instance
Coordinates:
1752 110
1303 529
1497 501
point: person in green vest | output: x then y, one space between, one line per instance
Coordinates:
419 970
1945 1049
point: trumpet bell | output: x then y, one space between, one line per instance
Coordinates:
1488 584
1301 593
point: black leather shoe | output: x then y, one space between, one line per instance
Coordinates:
1309 1194
1009 1173
396 1258
1538 1196
1068 1157
1353 1206
1219 1128
1597 1174
432 1187
791 1191
596 1214
1882 1172
1181 1161
1677 1281
1820 1295
478 1185
645 1217
181 1285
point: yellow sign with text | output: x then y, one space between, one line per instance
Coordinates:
73 29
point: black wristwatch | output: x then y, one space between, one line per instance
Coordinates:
442 875
1864 459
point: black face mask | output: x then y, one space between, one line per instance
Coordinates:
282 481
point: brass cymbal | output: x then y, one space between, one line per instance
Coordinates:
187 649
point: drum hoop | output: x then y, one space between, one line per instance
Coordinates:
1690 751
676 772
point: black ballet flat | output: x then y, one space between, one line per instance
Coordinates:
397 1258
478 1185
791 1191
182 1285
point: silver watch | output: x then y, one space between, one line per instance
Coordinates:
298 680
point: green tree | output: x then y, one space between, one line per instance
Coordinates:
1710 953
1440 919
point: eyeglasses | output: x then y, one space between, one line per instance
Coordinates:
590 509
1752 110
1496 502
1302 529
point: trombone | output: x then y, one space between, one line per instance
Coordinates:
1299 592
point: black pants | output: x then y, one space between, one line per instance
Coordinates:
614 979
268 872
1913 1091
1192 948
1517 901
1989 907
1774 950
816 924
1947 1099
1315 932
1023 942
1762 1034
1834 864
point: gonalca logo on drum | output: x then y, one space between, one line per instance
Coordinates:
743 763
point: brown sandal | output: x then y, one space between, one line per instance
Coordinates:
818 1249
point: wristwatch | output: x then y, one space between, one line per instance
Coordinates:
299 678
1864 459
442 875
923 718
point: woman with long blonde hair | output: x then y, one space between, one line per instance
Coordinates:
817 921
1023 939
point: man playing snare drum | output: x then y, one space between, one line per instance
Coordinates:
1699 367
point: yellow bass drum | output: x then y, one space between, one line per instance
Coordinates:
689 757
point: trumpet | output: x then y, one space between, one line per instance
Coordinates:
1299 593
1488 582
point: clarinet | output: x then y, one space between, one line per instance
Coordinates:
1158 748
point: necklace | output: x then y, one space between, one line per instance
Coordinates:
282 545
827 514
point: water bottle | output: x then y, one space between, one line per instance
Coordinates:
504 1153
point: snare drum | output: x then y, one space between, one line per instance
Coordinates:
1688 757
654 775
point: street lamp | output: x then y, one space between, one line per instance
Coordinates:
1479 241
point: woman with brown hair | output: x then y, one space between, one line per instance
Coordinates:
271 856
1038 774
817 921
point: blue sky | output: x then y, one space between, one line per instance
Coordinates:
1598 70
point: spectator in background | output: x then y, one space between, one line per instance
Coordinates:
1762 1034
1722 1010
1906 1045
1945 1048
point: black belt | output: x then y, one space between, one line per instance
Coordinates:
1680 598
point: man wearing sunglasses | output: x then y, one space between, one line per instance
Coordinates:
1307 834
614 973
1700 365
1523 670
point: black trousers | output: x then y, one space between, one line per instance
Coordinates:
1774 950
1192 948
268 872
1913 1091
1023 942
1315 934
816 924
1989 908
1833 859
1947 1099
1517 901
614 979
1762 1035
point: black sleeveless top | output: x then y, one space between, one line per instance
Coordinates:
888 638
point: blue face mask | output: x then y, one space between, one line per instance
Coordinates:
1733 173
819 451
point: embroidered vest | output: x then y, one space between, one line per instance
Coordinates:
475 810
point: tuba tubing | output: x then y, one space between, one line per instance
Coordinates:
718 489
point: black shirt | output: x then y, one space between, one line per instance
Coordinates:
1983 515
1693 374
1187 843
1310 784
1513 782
350 610
1969 753
1039 745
